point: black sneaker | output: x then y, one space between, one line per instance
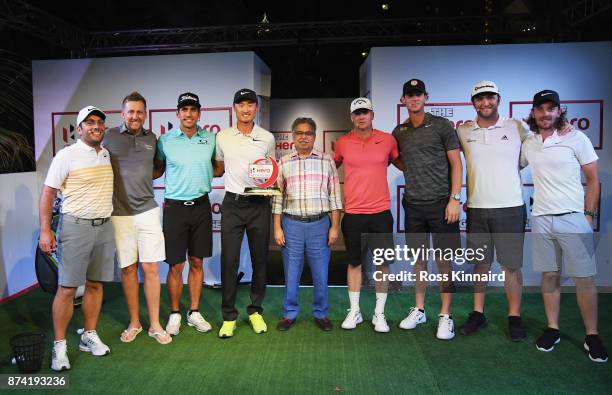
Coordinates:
594 346
476 321
515 326
547 341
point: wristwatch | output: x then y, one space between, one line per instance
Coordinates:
456 196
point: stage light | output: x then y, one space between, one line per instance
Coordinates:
385 7
364 54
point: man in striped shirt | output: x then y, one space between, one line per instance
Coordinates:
306 219
86 245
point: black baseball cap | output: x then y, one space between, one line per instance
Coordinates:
544 96
245 94
414 85
188 99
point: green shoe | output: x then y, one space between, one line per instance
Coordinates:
227 329
258 323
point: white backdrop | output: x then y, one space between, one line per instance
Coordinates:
62 87
580 72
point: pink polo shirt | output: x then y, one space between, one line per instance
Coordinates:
366 190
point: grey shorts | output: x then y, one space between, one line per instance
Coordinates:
563 243
85 252
501 230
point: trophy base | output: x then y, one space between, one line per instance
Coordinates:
259 191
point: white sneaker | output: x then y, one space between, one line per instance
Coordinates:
353 318
59 356
446 327
90 342
196 320
380 323
414 318
174 324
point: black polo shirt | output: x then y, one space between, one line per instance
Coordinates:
423 150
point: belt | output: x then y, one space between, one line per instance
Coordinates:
306 218
246 198
92 222
562 214
192 202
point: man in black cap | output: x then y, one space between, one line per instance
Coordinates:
186 156
429 148
562 217
238 147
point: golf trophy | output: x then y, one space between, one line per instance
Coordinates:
264 172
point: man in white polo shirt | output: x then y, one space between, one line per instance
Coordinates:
496 210
237 147
562 217
85 243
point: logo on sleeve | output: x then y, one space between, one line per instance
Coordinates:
504 137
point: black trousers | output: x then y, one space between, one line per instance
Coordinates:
238 216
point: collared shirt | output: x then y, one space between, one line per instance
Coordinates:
556 170
366 190
85 178
189 170
310 185
238 151
424 152
132 159
492 163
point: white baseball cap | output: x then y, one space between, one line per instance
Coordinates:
361 103
484 87
87 111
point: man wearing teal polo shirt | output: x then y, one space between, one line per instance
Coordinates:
186 155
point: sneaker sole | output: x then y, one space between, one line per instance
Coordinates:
518 339
61 369
586 347
87 349
196 328
409 328
551 348
445 338
479 327
352 327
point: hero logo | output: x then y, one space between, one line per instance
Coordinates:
64 127
457 113
584 115
284 143
212 119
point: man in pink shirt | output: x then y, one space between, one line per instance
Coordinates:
366 153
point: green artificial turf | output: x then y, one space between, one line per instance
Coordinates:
307 360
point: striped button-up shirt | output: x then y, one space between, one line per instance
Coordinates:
310 185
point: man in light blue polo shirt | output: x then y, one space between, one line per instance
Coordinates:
186 155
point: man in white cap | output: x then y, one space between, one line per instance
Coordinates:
366 152
496 211
86 245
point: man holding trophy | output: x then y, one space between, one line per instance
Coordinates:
246 153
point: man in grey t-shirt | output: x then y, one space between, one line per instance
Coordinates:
429 148
136 216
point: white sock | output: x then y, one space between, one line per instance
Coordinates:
60 341
381 299
354 299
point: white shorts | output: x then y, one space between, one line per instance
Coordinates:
139 238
